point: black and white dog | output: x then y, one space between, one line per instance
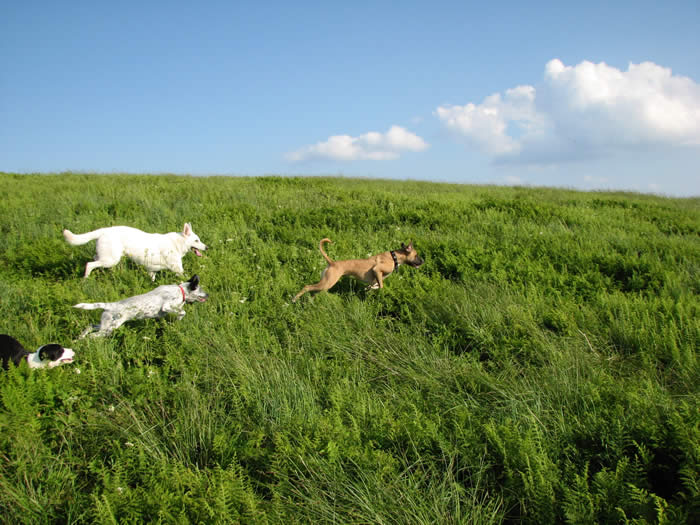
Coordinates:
164 300
47 356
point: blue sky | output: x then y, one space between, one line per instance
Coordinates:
601 95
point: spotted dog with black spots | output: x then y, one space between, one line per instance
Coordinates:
164 300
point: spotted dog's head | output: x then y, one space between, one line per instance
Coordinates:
193 292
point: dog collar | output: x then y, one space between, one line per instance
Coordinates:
183 293
393 256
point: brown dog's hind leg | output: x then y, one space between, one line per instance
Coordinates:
328 280
307 288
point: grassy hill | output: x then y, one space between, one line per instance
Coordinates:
540 367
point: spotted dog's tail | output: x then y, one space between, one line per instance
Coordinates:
90 306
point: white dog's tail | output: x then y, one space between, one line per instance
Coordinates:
78 239
90 306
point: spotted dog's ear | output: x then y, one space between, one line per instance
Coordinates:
194 282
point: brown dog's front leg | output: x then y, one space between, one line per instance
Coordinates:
378 277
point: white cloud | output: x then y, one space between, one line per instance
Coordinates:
370 146
583 110
486 125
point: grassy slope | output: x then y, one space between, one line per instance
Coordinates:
540 367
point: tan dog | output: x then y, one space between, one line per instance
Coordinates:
371 271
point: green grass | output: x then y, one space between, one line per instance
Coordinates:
540 367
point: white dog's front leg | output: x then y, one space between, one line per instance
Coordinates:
176 267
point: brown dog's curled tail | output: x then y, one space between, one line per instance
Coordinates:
320 247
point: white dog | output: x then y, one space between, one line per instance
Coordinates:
155 251
164 300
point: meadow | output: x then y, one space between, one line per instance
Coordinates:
540 367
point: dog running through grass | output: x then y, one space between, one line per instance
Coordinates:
372 270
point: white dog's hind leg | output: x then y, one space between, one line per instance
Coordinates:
101 262
89 267
108 253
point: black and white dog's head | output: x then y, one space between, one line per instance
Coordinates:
193 293
47 356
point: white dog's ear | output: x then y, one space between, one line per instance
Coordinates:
187 230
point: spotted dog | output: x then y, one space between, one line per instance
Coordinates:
164 300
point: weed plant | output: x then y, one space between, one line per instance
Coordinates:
540 367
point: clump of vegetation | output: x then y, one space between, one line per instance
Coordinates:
540 367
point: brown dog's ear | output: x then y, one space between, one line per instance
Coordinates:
410 246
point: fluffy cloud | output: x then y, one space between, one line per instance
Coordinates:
370 146
486 125
587 109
